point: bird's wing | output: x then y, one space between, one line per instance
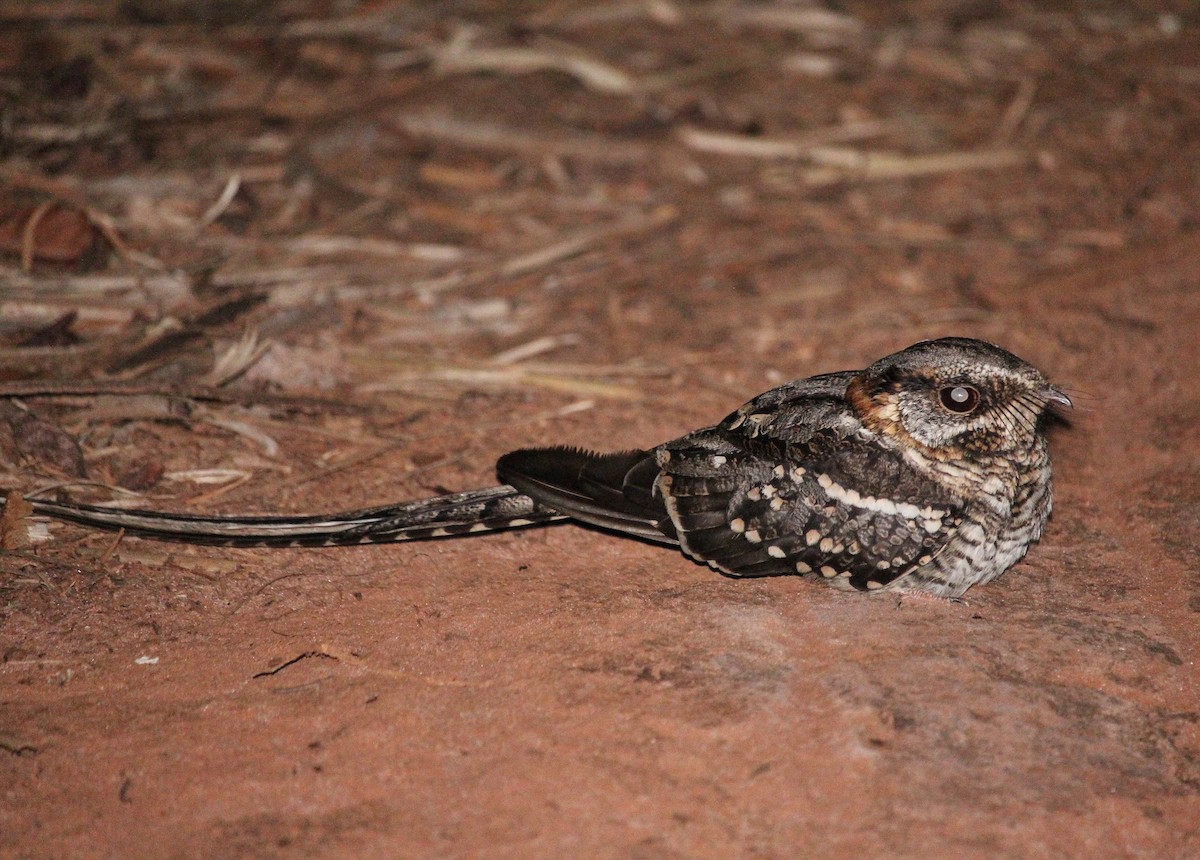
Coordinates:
840 507
792 482
620 491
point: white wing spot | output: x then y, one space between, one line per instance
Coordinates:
776 552
737 525
776 503
802 567
828 572
439 532
753 536
826 544
812 537
478 527
872 585
754 494
851 497
718 460
798 473
520 521
778 471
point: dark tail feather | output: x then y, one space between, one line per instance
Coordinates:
613 491
442 516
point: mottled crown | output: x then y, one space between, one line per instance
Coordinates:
947 356
955 394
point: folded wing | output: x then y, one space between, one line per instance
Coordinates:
613 491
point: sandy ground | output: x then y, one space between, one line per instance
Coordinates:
464 228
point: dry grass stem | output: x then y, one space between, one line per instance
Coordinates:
663 12
537 346
337 245
847 165
207 476
222 202
236 360
807 19
584 240
168 288
800 147
1016 112
30 230
460 56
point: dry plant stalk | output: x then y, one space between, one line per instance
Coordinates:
460 56
848 165
800 147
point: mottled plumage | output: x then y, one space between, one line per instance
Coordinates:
926 471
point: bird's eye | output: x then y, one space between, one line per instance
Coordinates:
959 398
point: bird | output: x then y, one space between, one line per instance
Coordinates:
926 472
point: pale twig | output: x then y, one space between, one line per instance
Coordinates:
663 12
168 288
222 202
799 147
207 476
236 360
63 485
582 241
221 490
806 19
534 347
102 222
331 245
27 234
241 428
1016 112
847 165
460 56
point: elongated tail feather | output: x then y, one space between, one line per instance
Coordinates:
442 516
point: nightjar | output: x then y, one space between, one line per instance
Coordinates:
927 471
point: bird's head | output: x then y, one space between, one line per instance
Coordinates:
956 395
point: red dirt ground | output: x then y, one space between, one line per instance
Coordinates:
561 692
